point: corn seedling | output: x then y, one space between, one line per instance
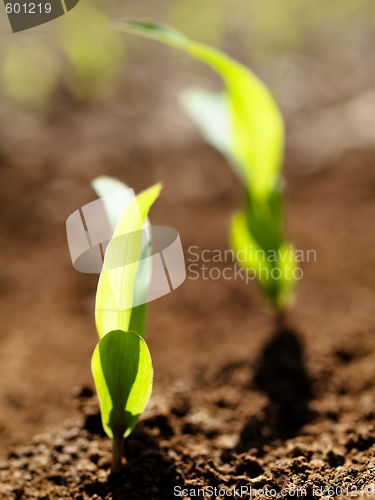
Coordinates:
121 363
245 124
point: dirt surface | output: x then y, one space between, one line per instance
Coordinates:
266 425
251 406
248 405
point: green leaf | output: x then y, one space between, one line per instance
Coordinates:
287 263
245 124
114 206
105 186
114 295
257 129
273 267
210 111
122 370
250 254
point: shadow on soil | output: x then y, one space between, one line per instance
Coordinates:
280 374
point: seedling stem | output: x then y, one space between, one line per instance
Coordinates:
117 447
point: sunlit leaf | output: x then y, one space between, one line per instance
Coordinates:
273 267
245 124
210 110
114 206
105 186
114 296
122 370
257 137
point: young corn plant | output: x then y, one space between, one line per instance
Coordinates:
121 363
244 123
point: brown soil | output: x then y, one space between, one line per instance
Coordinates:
265 425
249 406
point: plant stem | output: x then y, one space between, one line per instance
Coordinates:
117 445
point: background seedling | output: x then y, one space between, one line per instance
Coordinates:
245 124
121 363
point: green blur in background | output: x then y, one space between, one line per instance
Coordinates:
86 57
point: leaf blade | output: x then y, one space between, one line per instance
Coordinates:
114 296
257 144
251 137
122 371
105 186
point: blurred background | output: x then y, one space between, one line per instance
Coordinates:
78 100
316 58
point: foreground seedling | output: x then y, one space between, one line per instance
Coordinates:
122 370
245 124
121 364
